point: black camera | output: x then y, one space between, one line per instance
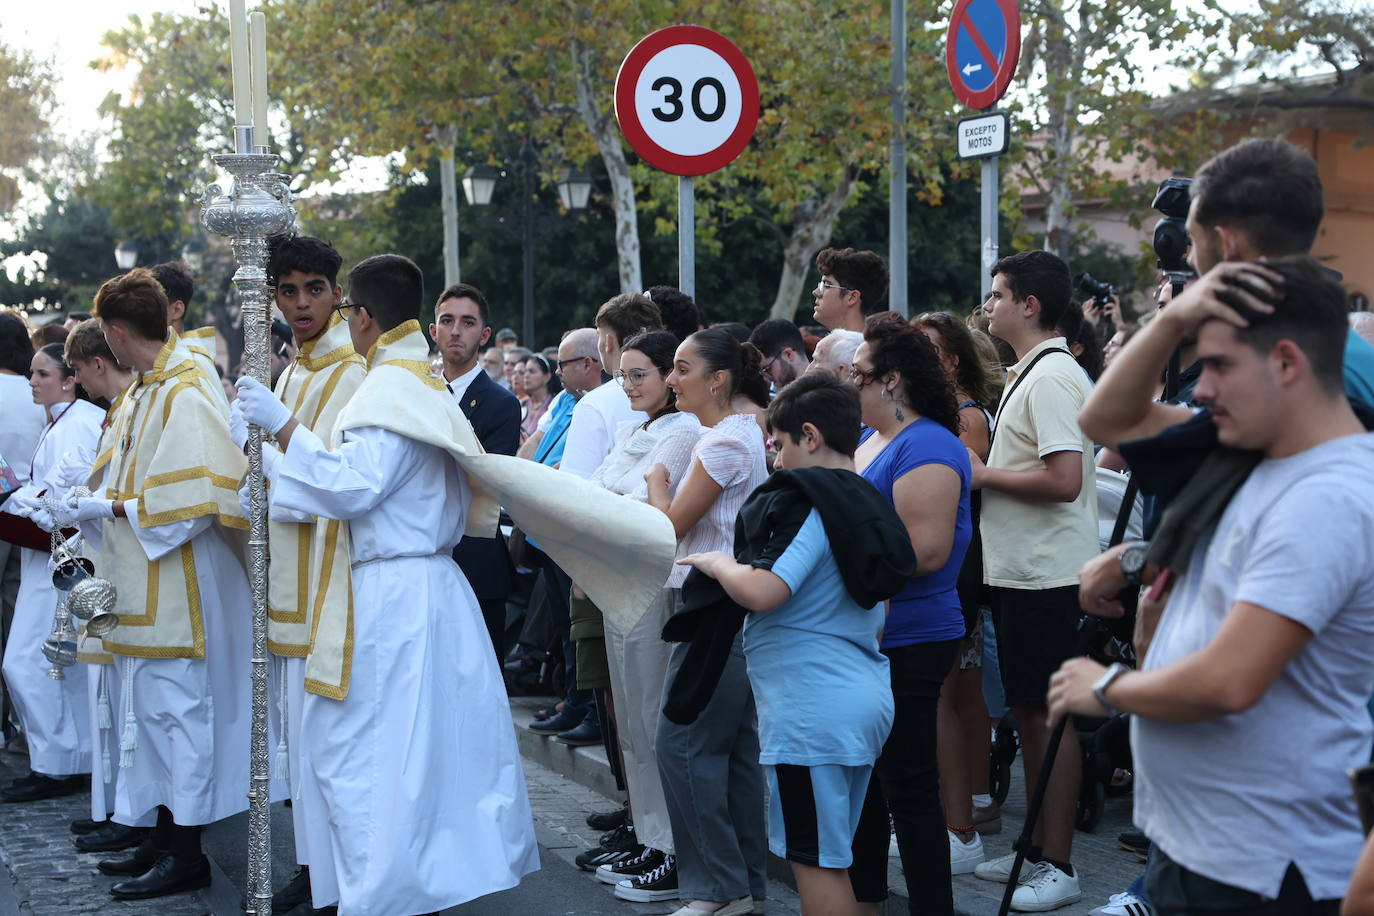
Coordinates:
1095 289
1171 233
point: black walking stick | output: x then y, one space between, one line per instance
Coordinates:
1087 627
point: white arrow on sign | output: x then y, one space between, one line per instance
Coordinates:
970 68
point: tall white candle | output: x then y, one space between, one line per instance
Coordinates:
257 40
238 62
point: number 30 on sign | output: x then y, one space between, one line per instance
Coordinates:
687 100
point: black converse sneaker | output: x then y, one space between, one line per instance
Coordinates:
594 858
621 838
614 874
652 886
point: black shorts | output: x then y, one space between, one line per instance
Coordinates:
1037 631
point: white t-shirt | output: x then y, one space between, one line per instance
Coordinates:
592 431
1239 798
21 423
1040 545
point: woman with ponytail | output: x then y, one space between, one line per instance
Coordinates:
710 768
638 659
52 713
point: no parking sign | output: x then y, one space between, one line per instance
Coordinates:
981 50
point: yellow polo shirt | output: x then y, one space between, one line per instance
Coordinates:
1039 545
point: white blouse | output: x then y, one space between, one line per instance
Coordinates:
732 453
669 441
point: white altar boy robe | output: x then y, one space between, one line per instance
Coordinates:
416 769
192 714
52 713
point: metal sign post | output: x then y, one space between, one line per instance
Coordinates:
981 51
687 102
687 235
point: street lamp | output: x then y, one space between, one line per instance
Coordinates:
126 254
574 188
478 184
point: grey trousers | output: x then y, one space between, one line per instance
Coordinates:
713 784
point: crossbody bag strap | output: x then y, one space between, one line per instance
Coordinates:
996 424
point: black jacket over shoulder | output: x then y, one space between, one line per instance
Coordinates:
495 417
868 540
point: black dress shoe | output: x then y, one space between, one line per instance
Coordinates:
609 820
41 787
84 825
171 874
111 838
132 865
585 734
296 892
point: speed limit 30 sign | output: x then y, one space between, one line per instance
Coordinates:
687 100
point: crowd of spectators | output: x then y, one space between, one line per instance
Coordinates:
888 536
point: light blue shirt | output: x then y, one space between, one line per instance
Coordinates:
1359 368
821 685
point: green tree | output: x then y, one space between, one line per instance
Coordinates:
26 101
1094 99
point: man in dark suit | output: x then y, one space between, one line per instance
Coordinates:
462 324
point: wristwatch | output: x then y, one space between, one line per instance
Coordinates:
1132 561
1105 681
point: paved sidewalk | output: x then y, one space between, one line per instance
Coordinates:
48 876
1103 867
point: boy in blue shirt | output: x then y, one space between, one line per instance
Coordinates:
817 550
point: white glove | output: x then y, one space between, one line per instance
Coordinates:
23 506
238 426
83 509
43 519
260 405
74 468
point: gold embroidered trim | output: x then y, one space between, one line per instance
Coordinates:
329 691
390 337
417 368
287 650
196 473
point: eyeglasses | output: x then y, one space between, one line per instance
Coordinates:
824 285
562 363
635 377
860 377
768 363
344 305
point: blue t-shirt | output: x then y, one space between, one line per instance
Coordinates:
821 686
928 609
1359 368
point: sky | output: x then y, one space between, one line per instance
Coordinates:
68 32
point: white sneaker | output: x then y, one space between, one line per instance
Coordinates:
1046 888
964 857
999 869
1123 904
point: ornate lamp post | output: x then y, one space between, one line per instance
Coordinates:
256 207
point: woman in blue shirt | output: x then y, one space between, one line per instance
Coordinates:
911 452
